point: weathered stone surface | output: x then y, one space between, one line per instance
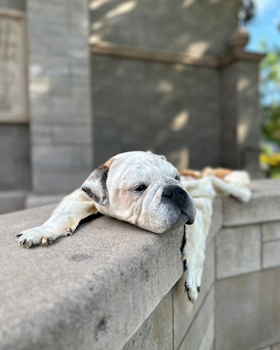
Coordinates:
209 335
271 231
263 207
12 201
271 254
34 201
15 157
91 290
51 182
198 328
174 114
13 4
170 27
184 311
238 250
247 311
276 347
60 106
239 95
156 332
79 135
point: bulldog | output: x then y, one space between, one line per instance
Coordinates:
141 188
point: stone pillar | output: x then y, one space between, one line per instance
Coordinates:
240 119
59 89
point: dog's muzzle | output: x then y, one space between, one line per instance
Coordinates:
181 199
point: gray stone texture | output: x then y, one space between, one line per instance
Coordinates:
173 26
157 331
199 327
34 201
15 157
271 254
209 335
276 347
12 201
271 231
60 106
240 120
263 206
141 105
184 311
238 250
90 290
13 4
247 311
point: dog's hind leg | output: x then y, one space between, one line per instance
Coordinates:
63 221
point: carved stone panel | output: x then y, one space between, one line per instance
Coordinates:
13 77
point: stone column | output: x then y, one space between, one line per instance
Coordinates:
59 88
240 119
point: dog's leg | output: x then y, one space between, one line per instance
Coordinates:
193 249
63 221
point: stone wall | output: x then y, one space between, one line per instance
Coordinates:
114 286
142 105
159 78
191 27
14 136
13 4
60 107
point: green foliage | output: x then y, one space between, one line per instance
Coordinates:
271 122
270 94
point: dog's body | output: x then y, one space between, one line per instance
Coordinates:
143 189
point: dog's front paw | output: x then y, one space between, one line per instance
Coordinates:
193 282
40 236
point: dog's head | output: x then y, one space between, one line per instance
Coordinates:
141 188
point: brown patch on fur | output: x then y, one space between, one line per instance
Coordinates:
221 173
192 173
109 162
218 172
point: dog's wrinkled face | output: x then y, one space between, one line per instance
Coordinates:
141 188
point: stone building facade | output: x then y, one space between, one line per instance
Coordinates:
91 79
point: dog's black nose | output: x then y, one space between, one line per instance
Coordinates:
182 199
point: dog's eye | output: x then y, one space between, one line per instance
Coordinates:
141 188
177 177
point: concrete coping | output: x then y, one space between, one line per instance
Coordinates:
91 290
264 205
95 288
146 54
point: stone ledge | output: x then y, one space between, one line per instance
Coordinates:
97 287
263 207
93 289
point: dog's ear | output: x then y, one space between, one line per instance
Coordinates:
95 185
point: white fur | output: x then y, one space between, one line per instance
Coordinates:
131 168
203 191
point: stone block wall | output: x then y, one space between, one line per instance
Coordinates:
162 74
177 26
142 105
60 106
114 286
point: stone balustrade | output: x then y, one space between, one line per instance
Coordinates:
114 286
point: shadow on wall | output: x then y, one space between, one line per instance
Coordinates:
171 109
